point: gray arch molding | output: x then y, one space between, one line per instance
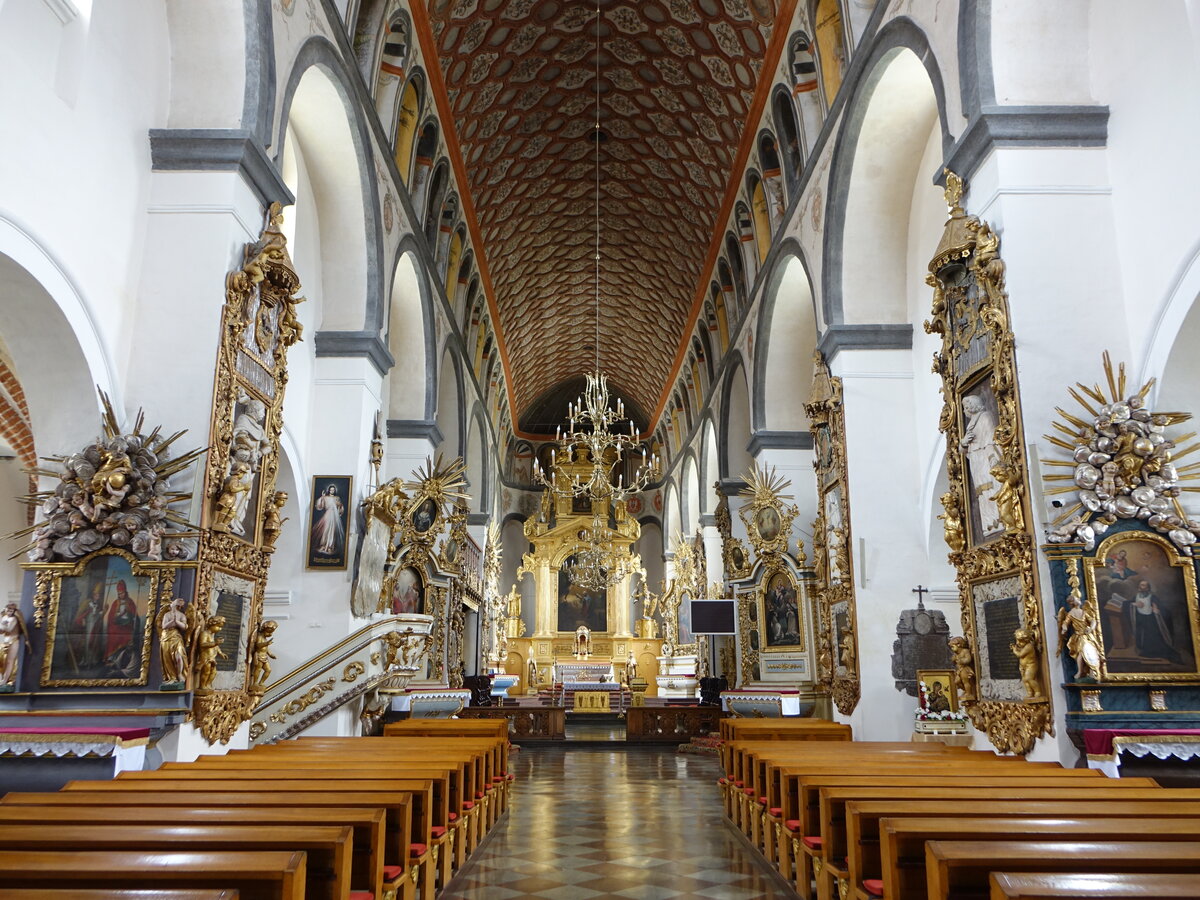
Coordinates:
788 250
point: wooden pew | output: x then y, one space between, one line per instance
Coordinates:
269 875
368 825
328 848
961 869
864 817
903 840
396 805
1080 886
115 894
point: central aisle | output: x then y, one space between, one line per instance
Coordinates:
634 824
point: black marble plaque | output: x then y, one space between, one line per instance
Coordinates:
233 607
1001 618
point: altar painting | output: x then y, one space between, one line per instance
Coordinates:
685 619
781 612
1146 622
99 626
406 592
577 606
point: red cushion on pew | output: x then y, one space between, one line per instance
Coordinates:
391 873
479 795
453 817
775 811
762 800
749 792
511 777
722 781
497 778
438 830
415 850
874 886
739 784
362 895
792 824
812 842
468 804
489 787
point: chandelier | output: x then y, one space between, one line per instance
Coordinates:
597 559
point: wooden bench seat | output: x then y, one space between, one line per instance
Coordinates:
328 847
961 869
1081 886
268 875
115 894
397 807
863 819
368 826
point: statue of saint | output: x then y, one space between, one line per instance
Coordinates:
173 630
12 634
983 455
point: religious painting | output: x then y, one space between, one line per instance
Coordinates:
823 449
781 612
1146 596
685 619
522 470
577 606
837 556
100 622
581 506
406 592
981 454
329 522
424 516
766 521
232 599
842 638
936 692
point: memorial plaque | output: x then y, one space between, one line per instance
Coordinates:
1001 618
233 607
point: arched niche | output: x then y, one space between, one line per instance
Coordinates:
787 337
831 46
516 545
409 339
783 115
690 495
772 179
735 423
397 40
650 548
432 216
336 169
476 469
672 513
751 251
803 67
422 165
450 405
761 215
710 467
407 117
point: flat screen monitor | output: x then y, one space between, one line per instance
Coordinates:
714 616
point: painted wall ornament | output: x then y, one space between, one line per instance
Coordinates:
113 493
999 661
834 605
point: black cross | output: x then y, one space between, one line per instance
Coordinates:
921 591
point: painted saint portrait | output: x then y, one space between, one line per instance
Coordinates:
408 592
837 555
937 693
981 454
685 619
424 516
577 606
1145 620
766 520
781 612
99 630
329 522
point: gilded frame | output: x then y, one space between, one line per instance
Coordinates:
341 561
161 583
749 636
987 509
833 604
1175 560
765 586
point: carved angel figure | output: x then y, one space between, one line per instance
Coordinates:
261 655
1008 498
1026 651
1084 641
952 526
964 667
174 628
847 651
208 651
12 634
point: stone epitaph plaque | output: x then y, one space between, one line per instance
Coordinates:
1001 618
922 637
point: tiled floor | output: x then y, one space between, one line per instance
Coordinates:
584 727
594 824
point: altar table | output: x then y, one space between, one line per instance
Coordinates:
126 746
1104 746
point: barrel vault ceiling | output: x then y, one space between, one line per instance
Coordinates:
677 81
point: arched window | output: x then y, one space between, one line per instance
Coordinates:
437 199
803 64
831 46
720 317
422 166
458 289
393 61
788 130
453 258
446 219
749 249
761 215
772 179
741 284
406 125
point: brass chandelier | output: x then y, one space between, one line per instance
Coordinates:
596 561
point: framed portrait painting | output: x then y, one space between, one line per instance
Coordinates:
101 615
781 612
329 522
406 591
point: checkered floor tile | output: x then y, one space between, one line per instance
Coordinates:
630 824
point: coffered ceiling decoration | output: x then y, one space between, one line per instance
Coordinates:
677 80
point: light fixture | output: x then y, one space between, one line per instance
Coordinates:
596 561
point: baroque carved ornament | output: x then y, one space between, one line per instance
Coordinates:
834 607
1000 661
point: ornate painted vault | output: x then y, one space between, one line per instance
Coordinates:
677 80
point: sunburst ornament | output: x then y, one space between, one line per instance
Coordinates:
438 481
767 514
765 485
1123 464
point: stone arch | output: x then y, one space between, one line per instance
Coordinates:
322 111
750 254
1177 321
411 338
431 216
772 178
832 55
761 216
672 521
422 165
735 420
894 94
689 494
803 67
412 98
783 115
476 459
395 44
451 404
741 278
710 465
784 344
